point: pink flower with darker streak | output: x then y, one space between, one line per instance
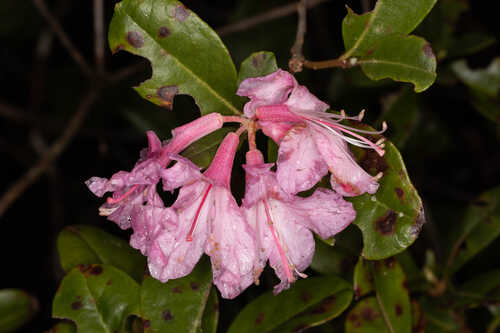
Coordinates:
312 141
283 222
138 187
205 218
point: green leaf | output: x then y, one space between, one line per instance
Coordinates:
202 151
480 226
332 260
485 80
402 113
365 317
470 43
16 309
392 295
211 315
63 327
488 106
362 32
438 316
363 279
481 289
307 303
257 64
98 298
83 244
390 220
178 305
401 58
186 55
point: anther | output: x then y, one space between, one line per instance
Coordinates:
361 115
378 176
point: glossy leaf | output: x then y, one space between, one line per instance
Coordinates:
392 295
332 260
362 32
480 226
210 317
365 317
186 55
16 309
202 151
363 278
401 112
390 220
257 64
83 244
178 305
307 303
98 298
401 58
485 80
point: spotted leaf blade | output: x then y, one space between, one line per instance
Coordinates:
85 245
390 220
307 303
98 298
186 55
179 304
402 58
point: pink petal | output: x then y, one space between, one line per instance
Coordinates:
231 245
324 212
260 180
275 130
300 166
182 172
171 255
148 222
302 101
266 90
297 242
348 178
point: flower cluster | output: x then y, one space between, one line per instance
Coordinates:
273 223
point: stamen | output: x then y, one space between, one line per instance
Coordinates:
362 142
111 200
378 176
284 260
189 237
380 141
361 115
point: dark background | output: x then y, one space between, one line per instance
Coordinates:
452 155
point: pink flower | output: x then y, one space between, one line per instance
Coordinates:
312 141
138 187
283 222
205 219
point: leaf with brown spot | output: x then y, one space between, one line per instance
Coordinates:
82 245
309 302
366 317
171 311
94 305
257 64
183 50
389 225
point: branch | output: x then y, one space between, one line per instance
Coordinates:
270 15
63 37
343 63
297 60
53 152
99 42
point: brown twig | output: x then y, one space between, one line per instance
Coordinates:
63 37
18 188
270 15
14 113
99 41
297 60
342 63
